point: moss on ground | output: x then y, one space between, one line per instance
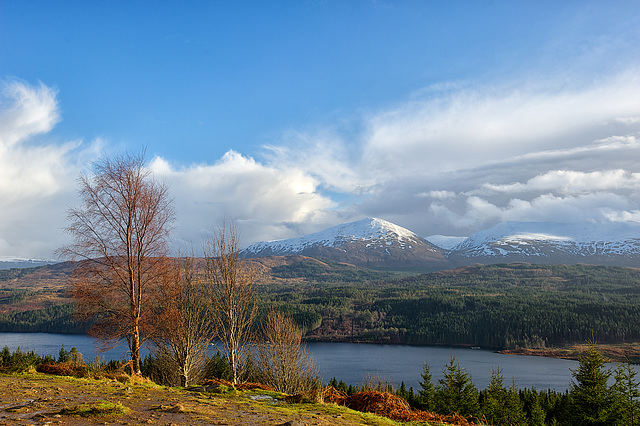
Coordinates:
33 397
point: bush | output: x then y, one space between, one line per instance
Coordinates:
63 369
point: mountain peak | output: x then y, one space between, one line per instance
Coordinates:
369 241
615 243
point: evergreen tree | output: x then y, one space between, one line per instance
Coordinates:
590 396
456 392
494 400
426 393
63 355
333 383
515 407
502 406
626 395
406 394
537 414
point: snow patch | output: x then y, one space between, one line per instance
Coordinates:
445 241
376 231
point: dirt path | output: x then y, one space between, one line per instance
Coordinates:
38 399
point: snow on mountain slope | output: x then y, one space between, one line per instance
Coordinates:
445 241
371 242
378 243
8 262
362 230
540 242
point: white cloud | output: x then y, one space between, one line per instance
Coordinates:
438 195
266 201
480 213
36 180
472 126
323 155
453 162
628 120
26 111
573 182
466 158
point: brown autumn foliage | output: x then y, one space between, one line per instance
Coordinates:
120 233
186 324
391 406
63 369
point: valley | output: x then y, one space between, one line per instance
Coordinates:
518 307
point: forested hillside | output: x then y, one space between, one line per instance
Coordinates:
495 306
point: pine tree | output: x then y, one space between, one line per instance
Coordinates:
502 406
456 392
515 407
537 414
590 396
494 402
626 404
426 393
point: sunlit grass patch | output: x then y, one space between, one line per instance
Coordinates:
96 408
176 407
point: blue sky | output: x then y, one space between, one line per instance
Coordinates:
291 116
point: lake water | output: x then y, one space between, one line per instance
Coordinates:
353 363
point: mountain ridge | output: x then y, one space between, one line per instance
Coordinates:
378 243
616 244
369 242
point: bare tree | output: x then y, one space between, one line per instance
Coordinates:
234 309
187 327
121 234
282 360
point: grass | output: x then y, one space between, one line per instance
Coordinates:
97 408
93 401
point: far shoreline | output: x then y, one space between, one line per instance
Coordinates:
613 352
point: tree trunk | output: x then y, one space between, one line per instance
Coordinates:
135 349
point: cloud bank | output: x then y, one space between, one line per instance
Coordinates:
463 158
35 178
450 160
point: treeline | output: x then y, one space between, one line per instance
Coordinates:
54 319
494 306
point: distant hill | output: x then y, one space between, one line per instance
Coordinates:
370 242
17 262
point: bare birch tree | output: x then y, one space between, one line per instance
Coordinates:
187 326
234 309
121 234
282 359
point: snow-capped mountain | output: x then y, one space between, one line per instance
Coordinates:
378 243
367 242
548 242
7 262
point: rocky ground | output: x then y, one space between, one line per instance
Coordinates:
40 399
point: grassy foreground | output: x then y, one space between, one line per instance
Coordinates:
35 398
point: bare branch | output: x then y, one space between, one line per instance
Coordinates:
121 234
231 281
